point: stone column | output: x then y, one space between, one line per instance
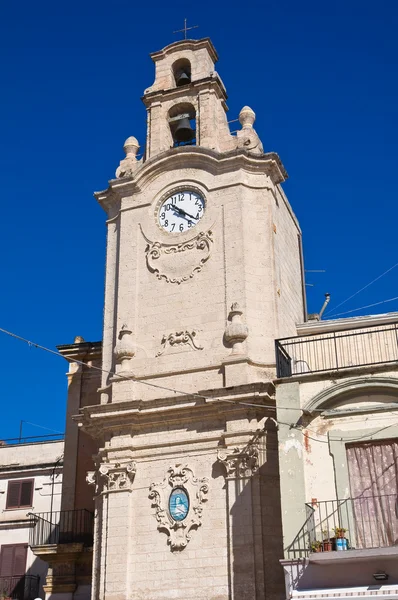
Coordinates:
246 564
113 525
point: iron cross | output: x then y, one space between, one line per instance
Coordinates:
185 29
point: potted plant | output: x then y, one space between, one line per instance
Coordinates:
341 543
327 544
316 546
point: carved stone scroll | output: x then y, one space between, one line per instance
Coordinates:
175 263
178 339
179 476
239 462
116 477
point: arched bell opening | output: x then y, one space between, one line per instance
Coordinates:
182 121
182 72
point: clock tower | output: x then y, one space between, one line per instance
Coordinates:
203 272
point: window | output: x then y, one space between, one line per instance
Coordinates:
13 560
20 493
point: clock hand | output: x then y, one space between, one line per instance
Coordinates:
183 212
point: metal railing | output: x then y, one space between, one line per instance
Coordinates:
337 350
62 527
20 587
364 522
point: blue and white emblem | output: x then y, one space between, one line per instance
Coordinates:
178 504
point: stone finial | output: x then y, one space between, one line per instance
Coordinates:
236 331
125 348
247 137
78 339
129 164
247 116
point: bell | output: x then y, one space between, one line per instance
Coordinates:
183 78
183 131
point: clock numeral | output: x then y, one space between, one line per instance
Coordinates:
172 226
181 227
166 223
163 216
189 223
198 202
180 197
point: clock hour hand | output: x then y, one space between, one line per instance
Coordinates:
183 212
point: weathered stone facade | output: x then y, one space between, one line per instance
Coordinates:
186 397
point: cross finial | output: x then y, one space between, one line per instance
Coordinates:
185 29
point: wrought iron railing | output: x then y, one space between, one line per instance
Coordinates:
62 527
352 523
20 587
337 350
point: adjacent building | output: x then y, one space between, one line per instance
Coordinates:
30 481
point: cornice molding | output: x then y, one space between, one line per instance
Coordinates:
336 393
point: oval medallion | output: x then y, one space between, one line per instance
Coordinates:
178 504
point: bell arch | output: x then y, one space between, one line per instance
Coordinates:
182 121
181 69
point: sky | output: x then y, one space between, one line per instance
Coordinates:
322 79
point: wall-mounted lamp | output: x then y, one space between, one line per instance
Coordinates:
380 576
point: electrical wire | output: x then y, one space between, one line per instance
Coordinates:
176 391
330 312
367 306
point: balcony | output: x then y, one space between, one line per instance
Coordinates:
337 350
351 524
61 527
25 587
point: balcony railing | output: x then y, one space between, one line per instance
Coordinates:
337 350
349 524
62 527
20 587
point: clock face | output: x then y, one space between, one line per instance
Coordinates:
178 504
181 211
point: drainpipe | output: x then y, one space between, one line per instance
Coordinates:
327 300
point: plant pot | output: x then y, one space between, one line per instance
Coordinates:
327 546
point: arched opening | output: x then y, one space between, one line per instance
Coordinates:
182 121
182 72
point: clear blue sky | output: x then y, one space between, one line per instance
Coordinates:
322 78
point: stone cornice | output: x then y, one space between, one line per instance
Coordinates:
186 45
207 83
134 414
81 349
319 327
193 157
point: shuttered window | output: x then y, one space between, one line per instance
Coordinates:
20 493
13 560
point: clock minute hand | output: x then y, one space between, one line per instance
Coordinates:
183 212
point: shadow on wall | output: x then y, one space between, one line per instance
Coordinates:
256 524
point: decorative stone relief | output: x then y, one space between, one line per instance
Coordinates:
176 263
178 339
125 349
239 462
116 477
236 332
179 477
247 137
129 164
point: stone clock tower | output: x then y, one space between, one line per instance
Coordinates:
203 272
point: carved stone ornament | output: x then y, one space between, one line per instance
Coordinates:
125 348
239 462
236 331
178 339
176 263
116 477
179 477
129 164
247 137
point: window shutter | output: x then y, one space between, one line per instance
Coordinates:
6 561
26 493
13 494
19 564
